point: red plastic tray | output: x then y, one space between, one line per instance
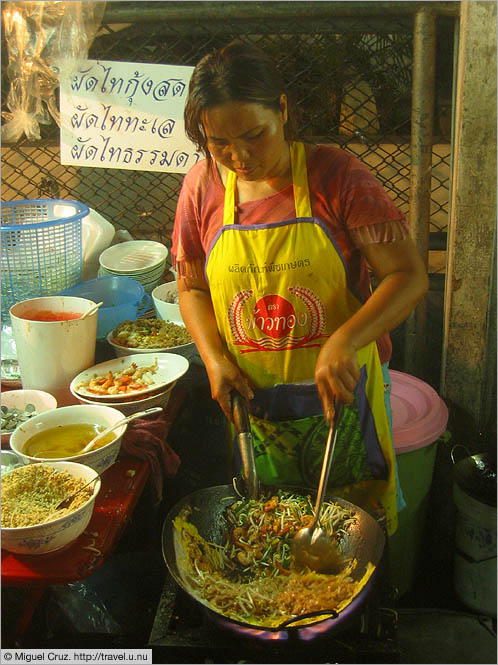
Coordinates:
122 485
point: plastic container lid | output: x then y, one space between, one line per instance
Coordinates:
419 415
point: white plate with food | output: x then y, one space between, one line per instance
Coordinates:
149 334
129 376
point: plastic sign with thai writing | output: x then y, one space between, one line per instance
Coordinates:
124 115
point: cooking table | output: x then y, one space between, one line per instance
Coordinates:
122 486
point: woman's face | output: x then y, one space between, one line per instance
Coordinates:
248 138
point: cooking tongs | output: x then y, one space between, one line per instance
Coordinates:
243 427
312 547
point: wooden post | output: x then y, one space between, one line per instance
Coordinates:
469 345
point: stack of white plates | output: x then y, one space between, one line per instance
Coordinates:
142 260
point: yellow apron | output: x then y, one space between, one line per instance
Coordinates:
279 290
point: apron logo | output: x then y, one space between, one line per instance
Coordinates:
275 316
275 321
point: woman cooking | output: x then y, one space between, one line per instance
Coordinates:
272 241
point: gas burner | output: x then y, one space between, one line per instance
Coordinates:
184 632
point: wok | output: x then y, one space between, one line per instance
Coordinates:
364 540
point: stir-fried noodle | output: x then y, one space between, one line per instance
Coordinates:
250 576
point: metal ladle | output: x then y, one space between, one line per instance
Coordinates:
311 546
66 502
91 444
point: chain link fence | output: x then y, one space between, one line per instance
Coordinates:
348 75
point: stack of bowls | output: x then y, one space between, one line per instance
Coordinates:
142 260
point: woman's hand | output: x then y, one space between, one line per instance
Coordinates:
197 311
224 376
336 372
403 282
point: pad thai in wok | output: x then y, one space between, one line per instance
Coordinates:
249 576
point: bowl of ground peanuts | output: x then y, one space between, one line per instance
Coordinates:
31 521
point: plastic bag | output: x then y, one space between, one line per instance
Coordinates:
45 40
8 344
79 606
120 598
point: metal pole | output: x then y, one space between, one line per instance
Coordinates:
424 53
195 12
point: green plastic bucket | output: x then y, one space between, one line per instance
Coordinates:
419 421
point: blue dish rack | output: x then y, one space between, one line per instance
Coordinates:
41 248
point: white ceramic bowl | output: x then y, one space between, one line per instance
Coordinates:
188 351
99 459
169 311
132 406
18 399
43 538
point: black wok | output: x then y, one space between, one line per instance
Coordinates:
364 541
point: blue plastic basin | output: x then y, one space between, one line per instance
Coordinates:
123 299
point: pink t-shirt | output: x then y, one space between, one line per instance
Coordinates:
344 195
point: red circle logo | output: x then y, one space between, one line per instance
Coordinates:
274 316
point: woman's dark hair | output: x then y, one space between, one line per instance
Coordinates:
237 72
